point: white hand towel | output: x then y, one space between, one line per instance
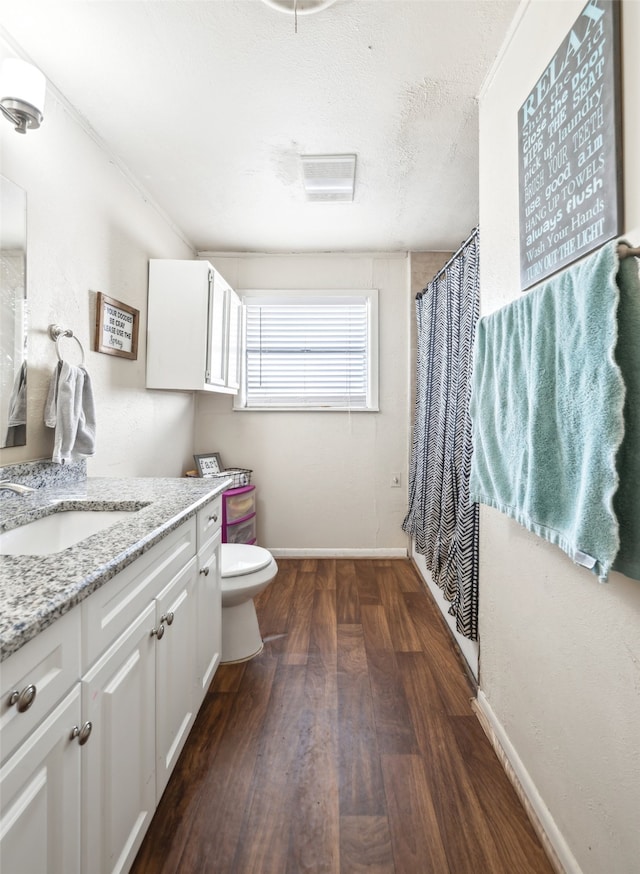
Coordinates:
70 409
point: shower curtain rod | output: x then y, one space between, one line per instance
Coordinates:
624 251
442 270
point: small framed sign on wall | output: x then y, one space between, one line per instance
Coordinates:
570 148
116 327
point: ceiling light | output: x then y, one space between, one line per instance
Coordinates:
22 90
329 177
298 7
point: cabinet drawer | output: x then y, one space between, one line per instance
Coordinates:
107 613
243 532
209 521
238 506
51 663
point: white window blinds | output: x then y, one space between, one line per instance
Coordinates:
309 351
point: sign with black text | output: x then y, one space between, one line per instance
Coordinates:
570 148
116 327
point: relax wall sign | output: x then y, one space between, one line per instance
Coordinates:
570 148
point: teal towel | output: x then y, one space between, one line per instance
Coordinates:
555 410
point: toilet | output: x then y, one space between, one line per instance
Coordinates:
245 572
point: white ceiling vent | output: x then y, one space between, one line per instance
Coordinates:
329 177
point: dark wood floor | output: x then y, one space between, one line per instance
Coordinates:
348 745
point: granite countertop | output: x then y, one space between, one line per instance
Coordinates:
35 590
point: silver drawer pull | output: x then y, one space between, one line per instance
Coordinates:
23 700
167 617
213 518
205 571
158 632
82 733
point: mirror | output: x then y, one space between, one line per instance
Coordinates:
13 312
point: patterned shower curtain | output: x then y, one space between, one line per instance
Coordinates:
440 517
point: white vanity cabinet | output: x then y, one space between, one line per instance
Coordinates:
176 682
193 328
208 596
139 695
118 767
40 807
119 681
40 792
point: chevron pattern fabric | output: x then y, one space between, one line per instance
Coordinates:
441 518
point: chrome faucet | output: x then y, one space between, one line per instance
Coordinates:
6 486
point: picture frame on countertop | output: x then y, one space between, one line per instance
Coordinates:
208 464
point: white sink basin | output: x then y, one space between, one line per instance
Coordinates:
56 532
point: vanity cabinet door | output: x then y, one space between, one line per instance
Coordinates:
40 797
208 615
118 787
175 670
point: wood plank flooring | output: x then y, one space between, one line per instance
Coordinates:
347 746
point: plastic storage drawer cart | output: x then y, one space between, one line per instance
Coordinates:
239 515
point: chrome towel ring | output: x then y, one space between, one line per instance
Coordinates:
57 333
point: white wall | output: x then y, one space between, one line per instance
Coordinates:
560 653
90 230
323 479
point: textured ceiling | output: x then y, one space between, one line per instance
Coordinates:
209 104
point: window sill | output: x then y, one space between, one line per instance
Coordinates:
306 410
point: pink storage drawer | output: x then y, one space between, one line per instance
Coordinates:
241 532
238 504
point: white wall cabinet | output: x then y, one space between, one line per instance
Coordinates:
234 340
193 328
129 669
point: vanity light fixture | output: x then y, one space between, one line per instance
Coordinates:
22 91
329 177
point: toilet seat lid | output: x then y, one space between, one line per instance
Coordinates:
238 559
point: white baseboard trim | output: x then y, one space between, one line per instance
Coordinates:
382 552
556 847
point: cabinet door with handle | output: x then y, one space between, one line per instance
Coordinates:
175 670
208 615
118 791
40 797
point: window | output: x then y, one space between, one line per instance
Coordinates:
310 350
